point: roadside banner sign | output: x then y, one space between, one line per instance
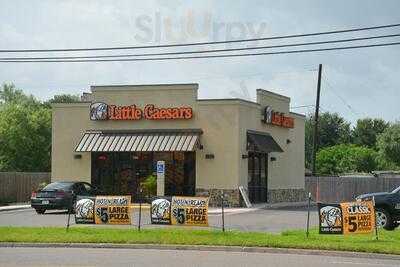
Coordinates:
84 209
160 212
112 210
189 211
346 218
358 217
330 218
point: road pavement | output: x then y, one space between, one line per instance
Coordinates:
12 257
275 220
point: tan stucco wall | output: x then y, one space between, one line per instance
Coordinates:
224 124
288 169
69 121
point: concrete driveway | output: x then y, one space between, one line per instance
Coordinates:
259 220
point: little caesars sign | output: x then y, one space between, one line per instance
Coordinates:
273 117
103 111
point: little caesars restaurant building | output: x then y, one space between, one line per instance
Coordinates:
118 136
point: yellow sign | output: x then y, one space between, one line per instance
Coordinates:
112 210
189 211
358 217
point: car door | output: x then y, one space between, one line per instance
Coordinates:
90 190
395 197
80 190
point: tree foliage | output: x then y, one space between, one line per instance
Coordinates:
25 132
389 143
366 131
332 130
346 158
63 98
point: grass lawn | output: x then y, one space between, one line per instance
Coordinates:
389 242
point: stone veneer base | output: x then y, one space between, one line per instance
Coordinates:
234 199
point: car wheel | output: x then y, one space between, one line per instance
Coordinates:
383 220
40 211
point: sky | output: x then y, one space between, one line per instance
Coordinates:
355 83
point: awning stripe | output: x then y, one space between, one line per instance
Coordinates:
109 141
181 142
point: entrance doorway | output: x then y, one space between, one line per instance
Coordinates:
121 173
258 177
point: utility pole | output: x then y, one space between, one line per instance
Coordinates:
315 135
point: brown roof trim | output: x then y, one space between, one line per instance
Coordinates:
137 86
272 93
138 131
229 99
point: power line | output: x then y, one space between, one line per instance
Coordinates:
207 56
352 110
198 43
204 51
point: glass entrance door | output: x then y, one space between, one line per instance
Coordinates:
258 177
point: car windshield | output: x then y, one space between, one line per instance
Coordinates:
396 190
58 186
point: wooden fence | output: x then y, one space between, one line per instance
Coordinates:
339 189
18 186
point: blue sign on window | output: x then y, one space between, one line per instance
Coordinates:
160 167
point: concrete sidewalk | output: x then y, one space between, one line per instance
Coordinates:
211 210
15 207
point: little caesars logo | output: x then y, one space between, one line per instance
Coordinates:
273 117
103 111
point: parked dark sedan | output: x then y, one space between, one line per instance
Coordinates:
387 207
60 195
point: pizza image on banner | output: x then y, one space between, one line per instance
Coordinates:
330 218
189 211
112 210
358 217
160 212
84 209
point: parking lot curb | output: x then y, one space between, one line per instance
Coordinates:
205 248
11 208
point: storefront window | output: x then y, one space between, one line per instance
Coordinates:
122 172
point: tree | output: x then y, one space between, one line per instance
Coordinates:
389 143
25 137
10 94
25 131
345 158
366 131
64 98
332 130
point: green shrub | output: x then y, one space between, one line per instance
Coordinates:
149 186
343 158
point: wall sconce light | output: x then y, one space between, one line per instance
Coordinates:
201 147
273 159
288 141
210 156
77 156
245 156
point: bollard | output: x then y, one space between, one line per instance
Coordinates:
222 211
69 210
376 226
140 207
308 214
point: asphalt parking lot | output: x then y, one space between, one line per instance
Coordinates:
259 220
